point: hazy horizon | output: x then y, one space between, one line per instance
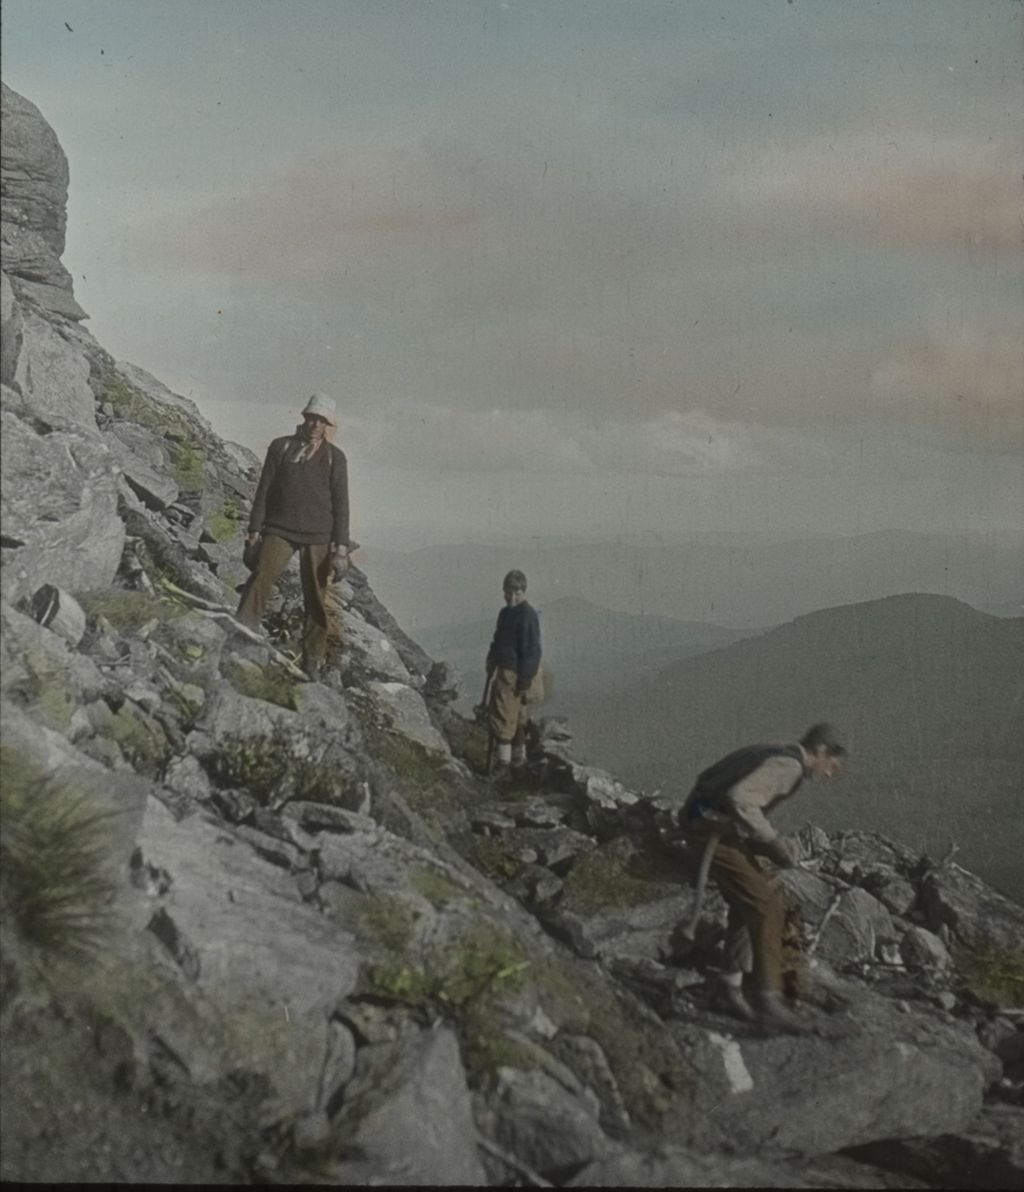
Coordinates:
575 268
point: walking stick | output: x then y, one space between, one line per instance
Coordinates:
481 709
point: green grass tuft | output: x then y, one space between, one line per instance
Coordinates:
54 849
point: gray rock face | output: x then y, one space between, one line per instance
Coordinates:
548 1125
408 714
52 377
59 509
876 1074
269 968
35 191
975 913
419 1127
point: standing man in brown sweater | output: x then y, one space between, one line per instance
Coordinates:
301 504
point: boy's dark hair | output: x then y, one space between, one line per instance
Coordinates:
515 580
819 735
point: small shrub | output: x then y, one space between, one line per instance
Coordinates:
129 611
493 858
53 845
272 770
455 977
992 973
188 458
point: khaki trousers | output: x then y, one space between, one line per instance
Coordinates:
506 711
757 912
314 570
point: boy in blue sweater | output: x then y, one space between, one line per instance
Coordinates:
513 666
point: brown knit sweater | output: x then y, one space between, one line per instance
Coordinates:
305 502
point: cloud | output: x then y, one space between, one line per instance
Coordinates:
914 191
431 437
970 384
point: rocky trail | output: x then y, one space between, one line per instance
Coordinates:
262 929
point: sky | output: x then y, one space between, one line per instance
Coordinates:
569 267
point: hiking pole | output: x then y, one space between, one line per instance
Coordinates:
481 714
690 930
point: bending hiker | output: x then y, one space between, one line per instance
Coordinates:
725 815
513 669
301 504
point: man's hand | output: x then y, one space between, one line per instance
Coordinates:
784 853
339 563
251 550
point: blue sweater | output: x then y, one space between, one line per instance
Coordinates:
516 642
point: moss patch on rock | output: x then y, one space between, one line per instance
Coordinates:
495 858
225 523
386 921
129 611
991 973
270 683
602 879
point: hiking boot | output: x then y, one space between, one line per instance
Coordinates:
774 1014
311 669
730 1000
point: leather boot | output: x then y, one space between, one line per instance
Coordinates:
730 1000
774 1014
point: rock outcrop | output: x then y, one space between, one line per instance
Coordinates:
261 929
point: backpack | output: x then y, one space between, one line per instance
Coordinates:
721 777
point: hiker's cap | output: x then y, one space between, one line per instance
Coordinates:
325 406
823 735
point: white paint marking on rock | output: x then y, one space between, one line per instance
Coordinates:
740 1079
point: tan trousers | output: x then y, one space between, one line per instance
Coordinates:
506 711
757 912
314 570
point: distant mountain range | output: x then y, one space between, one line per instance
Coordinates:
743 582
928 692
587 648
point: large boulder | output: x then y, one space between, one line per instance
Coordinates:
268 969
974 913
407 1116
875 1073
58 495
52 376
35 190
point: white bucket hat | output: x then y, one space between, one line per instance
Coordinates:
324 406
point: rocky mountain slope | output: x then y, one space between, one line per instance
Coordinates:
258 929
929 693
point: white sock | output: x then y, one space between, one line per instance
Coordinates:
733 979
504 753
